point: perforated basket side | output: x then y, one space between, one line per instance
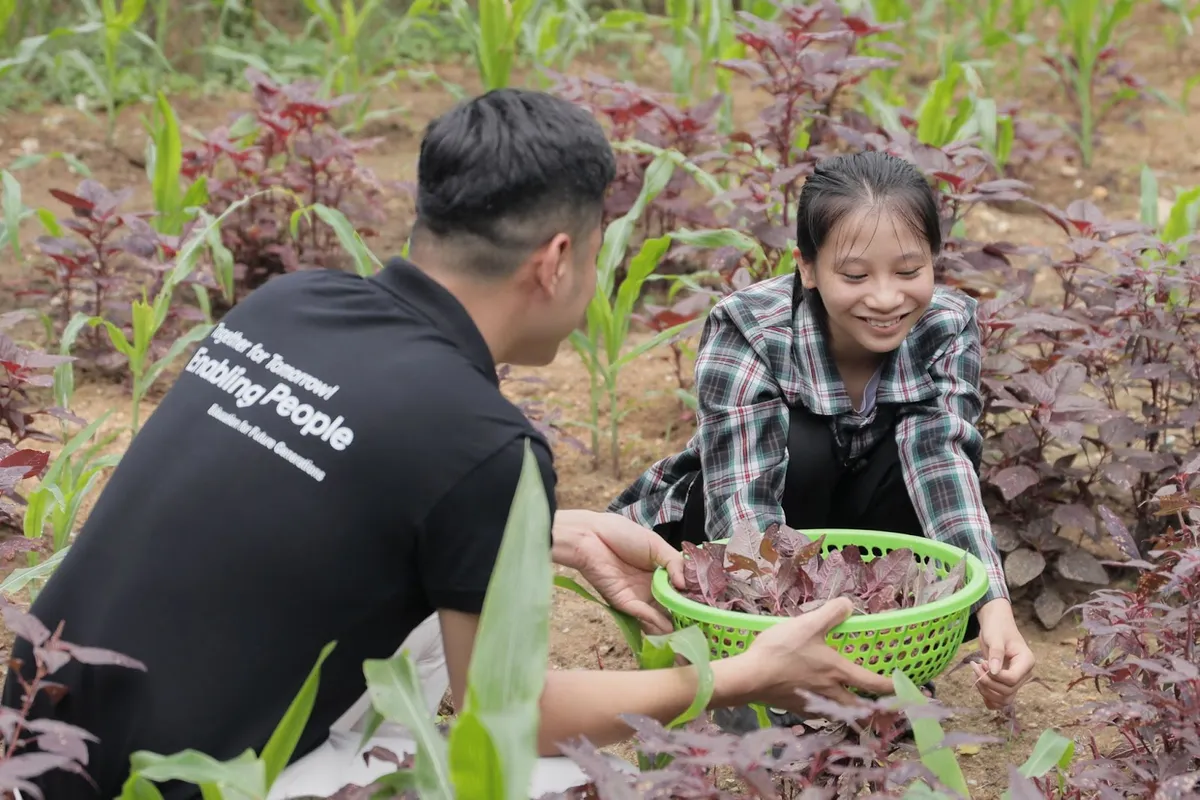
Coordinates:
921 641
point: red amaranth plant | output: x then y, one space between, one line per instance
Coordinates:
22 371
1140 649
98 261
289 146
32 747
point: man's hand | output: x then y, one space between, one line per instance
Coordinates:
1007 660
618 558
793 655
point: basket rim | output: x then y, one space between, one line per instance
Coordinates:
975 587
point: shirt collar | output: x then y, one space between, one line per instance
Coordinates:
903 380
413 288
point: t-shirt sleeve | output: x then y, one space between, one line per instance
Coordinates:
461 537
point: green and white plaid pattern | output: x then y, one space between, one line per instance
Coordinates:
756 360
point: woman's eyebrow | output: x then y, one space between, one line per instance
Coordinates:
903 258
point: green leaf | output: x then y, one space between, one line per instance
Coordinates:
475 761
619 232
49 222
14 211
508 662
715 238
1178 224
195 334
138 788
929 734
659 339
640 267
621 18
691 644
1052 750
116 336
244 775
18 579
1149 197
185 260
168 162
395 692
366 263
279 748
629 626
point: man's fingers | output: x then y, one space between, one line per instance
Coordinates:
830 615
841 694
862 678
671 560
655 620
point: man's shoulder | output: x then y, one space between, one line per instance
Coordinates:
444 396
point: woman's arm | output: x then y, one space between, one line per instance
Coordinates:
941 450
742 429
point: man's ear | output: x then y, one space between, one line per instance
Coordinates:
808 276
551 263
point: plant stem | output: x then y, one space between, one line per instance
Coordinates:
1083 88
614 422
594 408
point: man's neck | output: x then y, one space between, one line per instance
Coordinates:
484 303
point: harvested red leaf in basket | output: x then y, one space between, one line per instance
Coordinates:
781 572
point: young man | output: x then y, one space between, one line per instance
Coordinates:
337 462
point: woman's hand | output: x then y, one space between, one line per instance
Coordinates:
1007 660
618 558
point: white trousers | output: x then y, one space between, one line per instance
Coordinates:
339 760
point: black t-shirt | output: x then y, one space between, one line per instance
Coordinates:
336 462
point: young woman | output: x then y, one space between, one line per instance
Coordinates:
845 396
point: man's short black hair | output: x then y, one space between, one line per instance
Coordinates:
502 173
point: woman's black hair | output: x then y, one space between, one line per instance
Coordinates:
840 184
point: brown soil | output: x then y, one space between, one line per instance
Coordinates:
582 634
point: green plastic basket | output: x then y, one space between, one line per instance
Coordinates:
921 641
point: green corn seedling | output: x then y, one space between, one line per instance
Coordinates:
355 60
112 23
147 318
1181 223
1088 28
164 162
15 212
68 481
366 263
659 652
601 345
702 33
248 776
494 35
557 31
1051 751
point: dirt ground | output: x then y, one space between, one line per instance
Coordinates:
582 634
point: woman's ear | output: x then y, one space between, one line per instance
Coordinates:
807 273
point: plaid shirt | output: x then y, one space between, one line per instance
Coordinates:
756 360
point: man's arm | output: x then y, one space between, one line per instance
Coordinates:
790 656
590 702
457 553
